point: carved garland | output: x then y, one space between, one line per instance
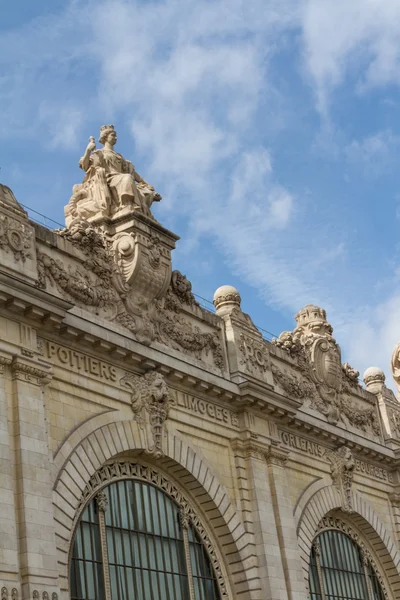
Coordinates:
118 471
340 525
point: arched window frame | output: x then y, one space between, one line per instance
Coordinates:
140 471
337 524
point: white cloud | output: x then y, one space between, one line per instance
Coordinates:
360 38
375 153
188 79
371 336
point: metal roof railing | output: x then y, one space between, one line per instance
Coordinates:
34 214
41 219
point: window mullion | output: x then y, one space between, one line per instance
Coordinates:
185 523
364 559
317 552
101 501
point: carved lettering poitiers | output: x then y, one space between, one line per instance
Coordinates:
80 362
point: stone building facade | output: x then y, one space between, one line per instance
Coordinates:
152 449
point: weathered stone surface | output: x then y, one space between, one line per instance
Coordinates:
110 369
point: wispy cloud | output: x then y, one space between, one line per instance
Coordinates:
197 84
357 39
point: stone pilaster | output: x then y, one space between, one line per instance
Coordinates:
395 502
271 577
35 522
285 524
9 571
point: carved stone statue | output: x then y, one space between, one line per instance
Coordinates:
111 184
151 401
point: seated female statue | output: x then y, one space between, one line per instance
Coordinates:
111 182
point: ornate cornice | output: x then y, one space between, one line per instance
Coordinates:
39 374
272 454
5 361
277 456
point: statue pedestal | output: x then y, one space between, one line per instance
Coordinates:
142 250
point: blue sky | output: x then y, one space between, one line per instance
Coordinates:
270 127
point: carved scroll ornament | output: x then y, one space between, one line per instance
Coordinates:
327 384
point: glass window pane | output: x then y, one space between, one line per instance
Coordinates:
145 549
342 570
86 569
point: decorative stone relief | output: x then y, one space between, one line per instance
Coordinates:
16 237
180 290
176 331
351 375
88 284
342 470
394 421
255 355
332 522
300 389
289 341
124 276
102 501
324 382
151 402
17 240
129 470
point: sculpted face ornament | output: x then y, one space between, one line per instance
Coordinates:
151 401
342 470
111 186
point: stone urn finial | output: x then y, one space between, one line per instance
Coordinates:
226 298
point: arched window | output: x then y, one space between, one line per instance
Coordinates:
342 570
133 542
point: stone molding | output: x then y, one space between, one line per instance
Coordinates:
277 456
105 437
321 499
5 361
31 372
271 454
